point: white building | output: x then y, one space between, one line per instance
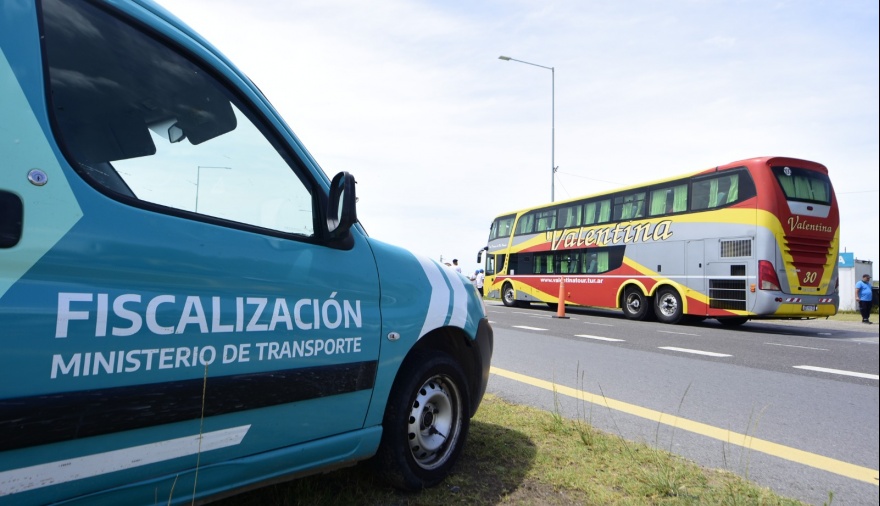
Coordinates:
851 270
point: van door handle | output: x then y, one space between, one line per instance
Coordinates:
11 218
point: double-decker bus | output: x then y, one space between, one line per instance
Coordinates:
752 239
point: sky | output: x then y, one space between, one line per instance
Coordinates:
442 136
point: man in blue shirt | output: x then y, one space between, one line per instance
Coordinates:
864 294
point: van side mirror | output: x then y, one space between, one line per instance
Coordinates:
341 210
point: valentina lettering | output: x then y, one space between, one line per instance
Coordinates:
795 223
620 233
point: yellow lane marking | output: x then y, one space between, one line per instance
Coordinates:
835 466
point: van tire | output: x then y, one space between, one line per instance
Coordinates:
426 422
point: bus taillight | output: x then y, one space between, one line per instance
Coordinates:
767 279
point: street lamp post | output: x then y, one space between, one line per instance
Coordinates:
199 177
552 121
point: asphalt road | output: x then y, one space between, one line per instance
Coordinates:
791 405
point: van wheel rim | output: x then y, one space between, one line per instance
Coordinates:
434 422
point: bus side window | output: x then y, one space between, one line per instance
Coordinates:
679 198
570 216
605 211
592 264
700 196
639 201
546 220
568 263
627 207
718 188
590 213
543 264
660 202
733 189
526 224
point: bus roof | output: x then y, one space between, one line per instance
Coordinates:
750 162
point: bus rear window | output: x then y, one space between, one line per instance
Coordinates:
804 185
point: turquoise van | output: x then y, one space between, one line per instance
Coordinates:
188 304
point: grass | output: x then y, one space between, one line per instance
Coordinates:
518 455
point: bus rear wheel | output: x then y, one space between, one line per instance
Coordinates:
508 296
635 304
668 306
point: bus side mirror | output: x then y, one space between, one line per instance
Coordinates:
480 254
341 210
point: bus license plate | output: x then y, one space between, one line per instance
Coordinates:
808 308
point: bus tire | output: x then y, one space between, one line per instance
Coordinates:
636 305
426 422
508 296
668 306
732 321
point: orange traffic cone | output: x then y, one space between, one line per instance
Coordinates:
560 308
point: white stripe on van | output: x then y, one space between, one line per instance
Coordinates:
62 471
441 279
459 299
438 306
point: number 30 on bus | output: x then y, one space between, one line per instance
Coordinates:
753 239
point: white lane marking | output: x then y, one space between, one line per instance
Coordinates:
677 333
695 352
526 328
611 339
15 481
793 346
838 371
600 324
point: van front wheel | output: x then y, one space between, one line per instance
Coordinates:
426 422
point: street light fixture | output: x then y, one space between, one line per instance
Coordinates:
552 121
198 179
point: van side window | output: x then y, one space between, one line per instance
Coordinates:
139 120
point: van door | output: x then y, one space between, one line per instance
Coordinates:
173 297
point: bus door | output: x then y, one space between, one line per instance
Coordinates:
696 273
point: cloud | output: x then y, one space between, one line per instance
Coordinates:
442 136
